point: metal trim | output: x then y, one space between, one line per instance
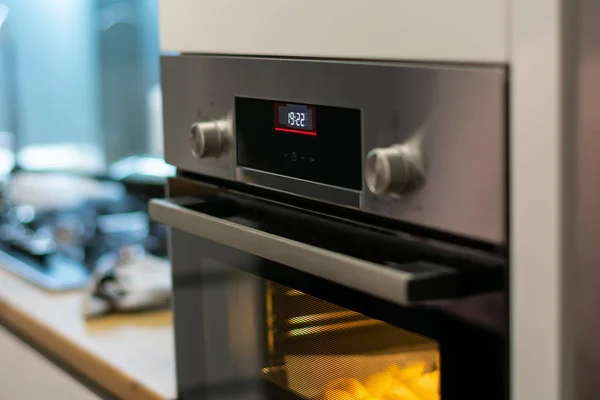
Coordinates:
301 187
385 283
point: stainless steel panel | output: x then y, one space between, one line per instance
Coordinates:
459 113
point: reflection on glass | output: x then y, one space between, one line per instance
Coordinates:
79 81
322 351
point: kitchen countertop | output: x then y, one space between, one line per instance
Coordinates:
131 356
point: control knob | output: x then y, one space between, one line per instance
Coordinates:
210 139
394 170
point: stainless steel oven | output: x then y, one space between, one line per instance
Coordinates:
337 228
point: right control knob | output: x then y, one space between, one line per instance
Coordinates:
394 170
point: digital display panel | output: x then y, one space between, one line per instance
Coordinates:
288 139
295 118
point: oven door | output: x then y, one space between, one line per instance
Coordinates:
274 302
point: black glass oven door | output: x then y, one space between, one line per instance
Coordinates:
278 303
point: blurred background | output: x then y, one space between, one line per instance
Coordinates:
81 73
80 137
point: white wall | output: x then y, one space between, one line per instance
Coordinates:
457 30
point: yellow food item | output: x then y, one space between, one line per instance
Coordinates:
392 369
427 386
350 385
435 374
379 383
369 397
400 393
336 394
410 373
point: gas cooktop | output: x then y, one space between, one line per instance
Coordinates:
59 247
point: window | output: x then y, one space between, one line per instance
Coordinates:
79 81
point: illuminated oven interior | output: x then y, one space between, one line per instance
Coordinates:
325 352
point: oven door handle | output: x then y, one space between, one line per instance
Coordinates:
402 284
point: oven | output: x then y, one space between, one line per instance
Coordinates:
337 228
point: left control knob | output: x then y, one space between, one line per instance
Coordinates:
210 139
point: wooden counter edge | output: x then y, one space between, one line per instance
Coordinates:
96 369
